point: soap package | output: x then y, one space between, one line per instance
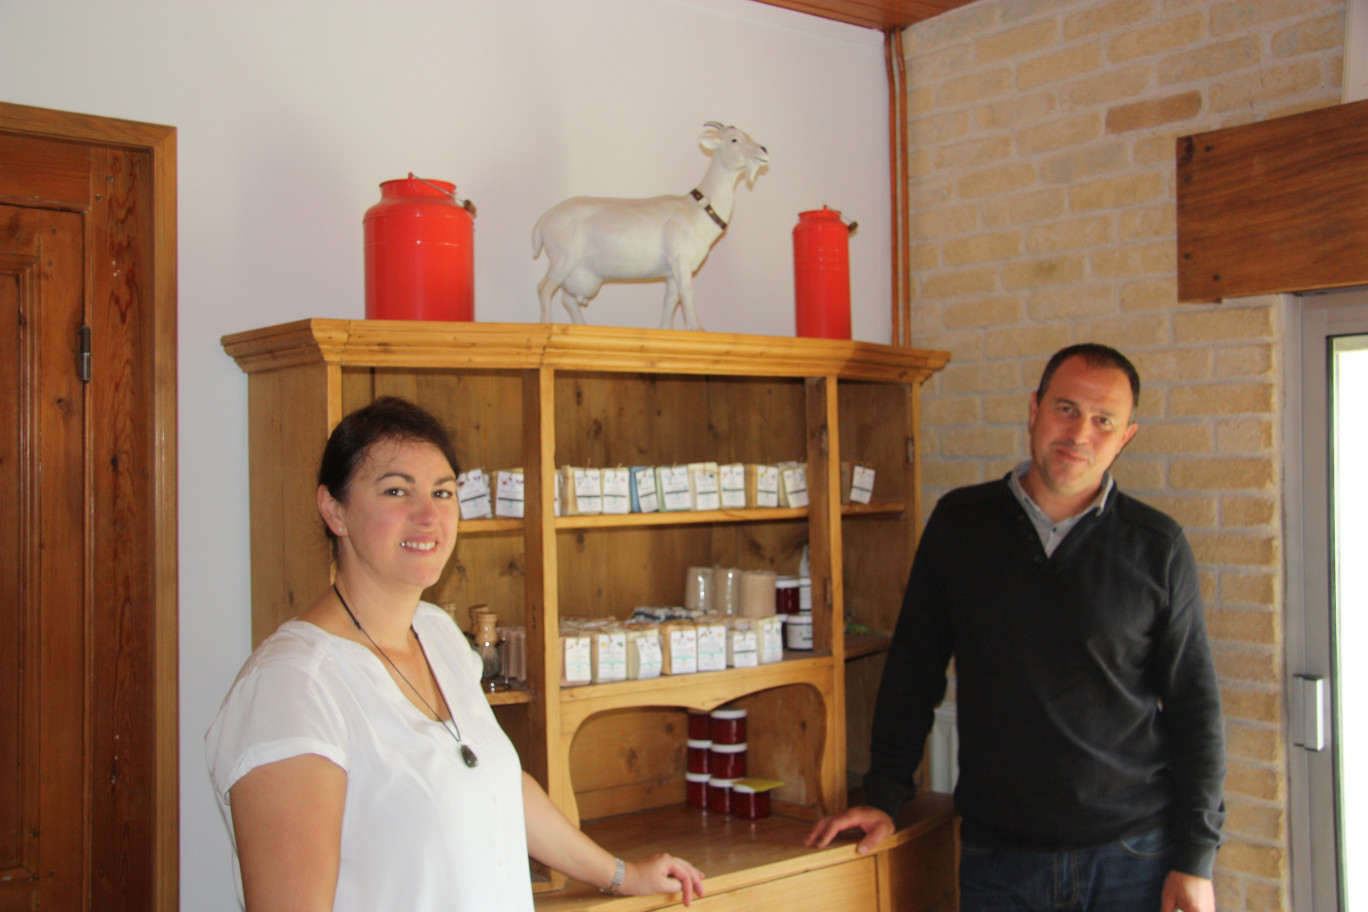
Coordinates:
472 493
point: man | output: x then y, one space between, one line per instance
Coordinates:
1091 744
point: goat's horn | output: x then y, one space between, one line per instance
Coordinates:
715 125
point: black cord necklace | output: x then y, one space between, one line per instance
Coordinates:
467 755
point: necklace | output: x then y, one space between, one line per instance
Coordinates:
467 755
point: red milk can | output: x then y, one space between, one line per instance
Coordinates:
821 274
420 253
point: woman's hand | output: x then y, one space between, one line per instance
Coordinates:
662 874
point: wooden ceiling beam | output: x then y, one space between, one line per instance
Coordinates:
879 14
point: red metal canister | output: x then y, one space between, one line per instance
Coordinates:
420 253
821 274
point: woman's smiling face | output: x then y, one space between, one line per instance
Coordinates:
399 521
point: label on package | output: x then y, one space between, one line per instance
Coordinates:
861 484
673 485
732 482
617 491
703 481
609 648
508 494
712 647
644 490
648 657
472 492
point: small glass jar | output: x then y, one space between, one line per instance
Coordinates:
699 725
720 795
727 761
699 751
696 789
798 632
786 595
749 803
727 726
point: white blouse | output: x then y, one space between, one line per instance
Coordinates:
420 830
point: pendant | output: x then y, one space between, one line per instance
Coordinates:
469 757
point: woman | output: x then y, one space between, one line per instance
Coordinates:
356 761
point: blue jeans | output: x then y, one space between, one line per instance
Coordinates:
1125 876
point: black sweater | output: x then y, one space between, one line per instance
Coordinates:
1086 697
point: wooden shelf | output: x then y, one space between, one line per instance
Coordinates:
702 690
675 518
680 518
541 396
571 347
489 526
866 644
518 693
873 509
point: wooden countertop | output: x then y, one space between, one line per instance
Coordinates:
732 853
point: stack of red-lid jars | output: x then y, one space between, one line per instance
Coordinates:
716 760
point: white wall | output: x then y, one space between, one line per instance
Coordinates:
289 114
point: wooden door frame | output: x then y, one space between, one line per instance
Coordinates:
160 143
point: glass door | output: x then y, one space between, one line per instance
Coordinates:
1328 603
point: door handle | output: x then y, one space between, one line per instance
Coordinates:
1312 701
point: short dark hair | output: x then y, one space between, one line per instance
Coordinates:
388 418
1094 355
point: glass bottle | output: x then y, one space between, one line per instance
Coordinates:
486 641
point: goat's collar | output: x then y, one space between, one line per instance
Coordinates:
707 207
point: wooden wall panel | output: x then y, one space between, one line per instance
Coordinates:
1273 207
629 760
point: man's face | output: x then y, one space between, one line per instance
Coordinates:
1077 431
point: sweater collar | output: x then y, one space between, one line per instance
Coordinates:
1052 533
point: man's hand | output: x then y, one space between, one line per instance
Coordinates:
1188 893
877 827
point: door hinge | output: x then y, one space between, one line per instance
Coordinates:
1309 695
83 362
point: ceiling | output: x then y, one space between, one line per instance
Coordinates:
879 14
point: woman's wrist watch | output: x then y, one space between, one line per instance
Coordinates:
619 872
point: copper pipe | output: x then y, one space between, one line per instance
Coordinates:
897 144
904 217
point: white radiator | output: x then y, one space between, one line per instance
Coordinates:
944 750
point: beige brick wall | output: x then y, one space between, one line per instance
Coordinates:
1042 146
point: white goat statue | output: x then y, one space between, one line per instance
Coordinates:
590 240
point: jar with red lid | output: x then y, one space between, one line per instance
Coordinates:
699 722
786 595
727 761
728 726
699 760
749 802
696 789
720 795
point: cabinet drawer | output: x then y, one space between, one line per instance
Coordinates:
848 887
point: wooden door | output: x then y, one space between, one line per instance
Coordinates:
42 540
88 727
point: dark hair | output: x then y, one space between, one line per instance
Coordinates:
387 418
1094 355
